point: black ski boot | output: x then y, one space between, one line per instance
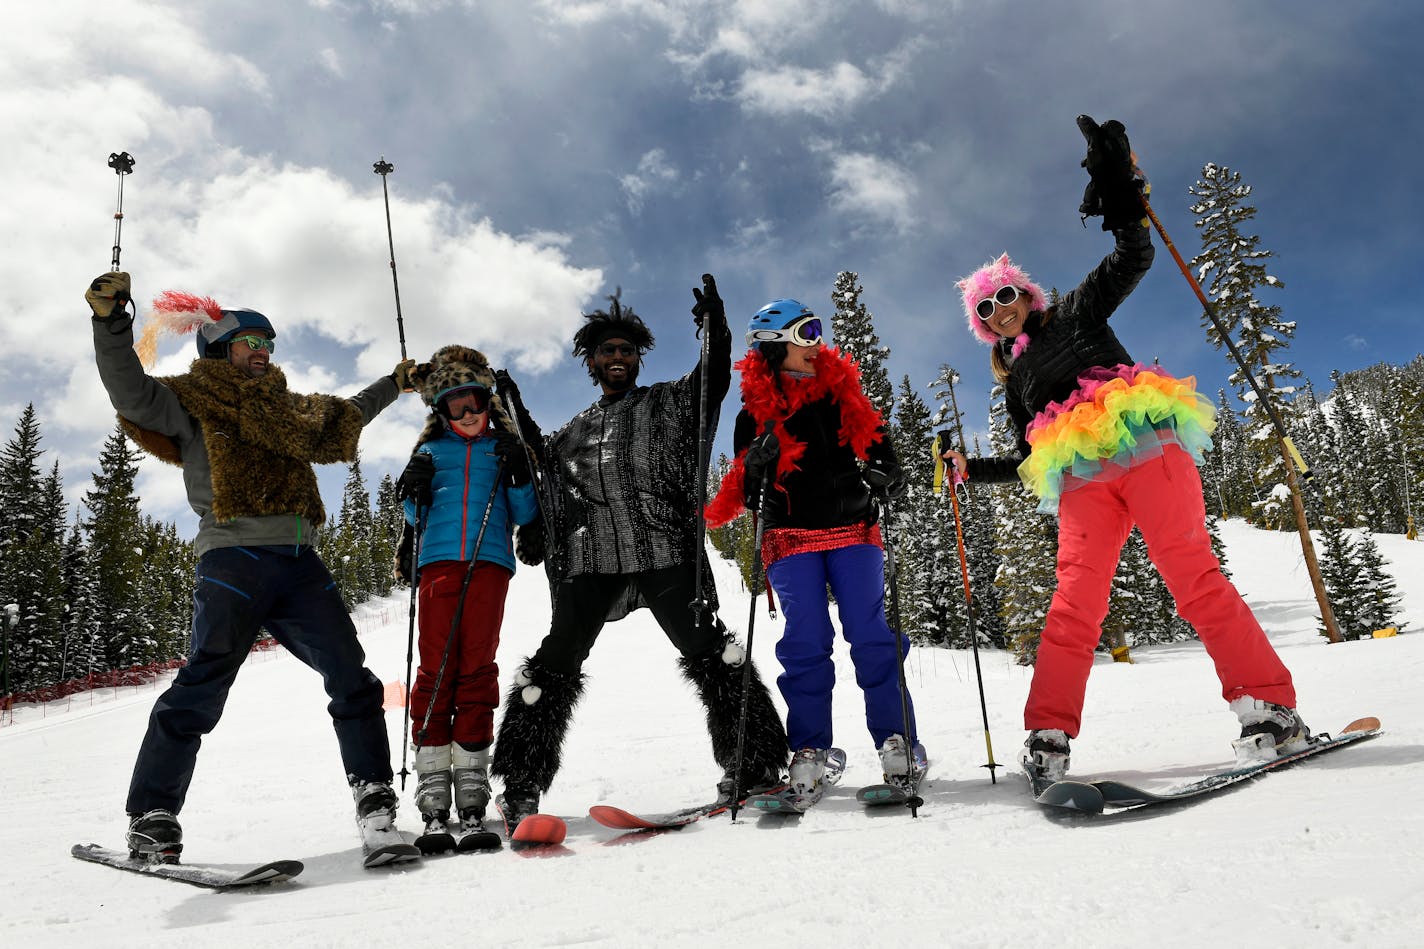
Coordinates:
155 836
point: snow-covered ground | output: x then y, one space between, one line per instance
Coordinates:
1323 854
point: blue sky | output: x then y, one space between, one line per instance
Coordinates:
548 152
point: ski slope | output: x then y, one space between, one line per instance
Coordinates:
1324 854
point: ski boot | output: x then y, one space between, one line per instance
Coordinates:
1267 731
376 804
472 796
766 780
904 767
1045 757
515 804
432 798
155 837
812 771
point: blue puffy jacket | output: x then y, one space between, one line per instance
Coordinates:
464 476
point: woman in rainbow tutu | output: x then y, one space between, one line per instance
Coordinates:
1107 443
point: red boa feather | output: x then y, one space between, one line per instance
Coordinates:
836 376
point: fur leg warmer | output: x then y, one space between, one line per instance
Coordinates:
537 711
718 680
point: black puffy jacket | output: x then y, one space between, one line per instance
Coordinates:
826 489
1072 338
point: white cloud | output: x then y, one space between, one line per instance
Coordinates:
330 60
873 187
654 175
790 89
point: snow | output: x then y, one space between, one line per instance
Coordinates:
1317 855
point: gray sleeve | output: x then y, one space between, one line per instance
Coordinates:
373 399
135 394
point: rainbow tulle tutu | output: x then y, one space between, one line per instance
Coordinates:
1118 417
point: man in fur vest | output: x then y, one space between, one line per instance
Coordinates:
246 446
623 477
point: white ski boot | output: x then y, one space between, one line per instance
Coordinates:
812 771
376 817
1045 755
1267 731
903 767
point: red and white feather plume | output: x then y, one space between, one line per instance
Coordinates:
174 313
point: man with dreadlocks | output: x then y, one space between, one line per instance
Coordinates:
246 445
624 476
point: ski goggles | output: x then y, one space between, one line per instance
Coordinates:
804 332
468 400
256 343
1003 296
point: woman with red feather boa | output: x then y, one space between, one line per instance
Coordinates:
817 432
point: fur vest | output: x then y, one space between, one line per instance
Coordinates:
261 439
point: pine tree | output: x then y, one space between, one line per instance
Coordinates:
1234 264
853 332
1340 570
386 534
916 516
1378 602
116 563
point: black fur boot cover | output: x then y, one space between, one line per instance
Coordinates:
537 711
719 685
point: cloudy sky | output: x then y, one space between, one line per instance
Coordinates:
548 152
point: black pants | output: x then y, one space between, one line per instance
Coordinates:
581 606
240 590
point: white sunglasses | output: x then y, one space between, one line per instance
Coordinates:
1003 296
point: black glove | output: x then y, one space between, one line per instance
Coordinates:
530 542
761 457
414 482
107 295
509 392
516 462
1117 184
404 569
886 481
708 302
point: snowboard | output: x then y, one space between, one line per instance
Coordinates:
1094 797
208 877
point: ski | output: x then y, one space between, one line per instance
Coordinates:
880 795
1094 797
785 802
620 819
208 877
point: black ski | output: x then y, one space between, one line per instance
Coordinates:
475 837
1094 797
436 838
208 877
881 795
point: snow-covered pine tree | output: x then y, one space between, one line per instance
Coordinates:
385 535
1340 570
81 650
1026 547
1379 600
917 534
21 553
1232 263
113 530
853 333
354 566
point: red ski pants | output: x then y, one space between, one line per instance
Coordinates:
463 707
1163 497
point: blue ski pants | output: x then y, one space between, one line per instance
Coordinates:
239 590
856 576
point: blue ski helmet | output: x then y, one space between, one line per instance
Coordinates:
212 335
768 324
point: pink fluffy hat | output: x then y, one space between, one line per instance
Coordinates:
985 282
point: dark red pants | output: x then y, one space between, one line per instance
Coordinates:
1163 497
463 707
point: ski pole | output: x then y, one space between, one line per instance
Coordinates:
1305 473
460 604
699 604
756 583
384 168
891 575
420 512
122 163
968 596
